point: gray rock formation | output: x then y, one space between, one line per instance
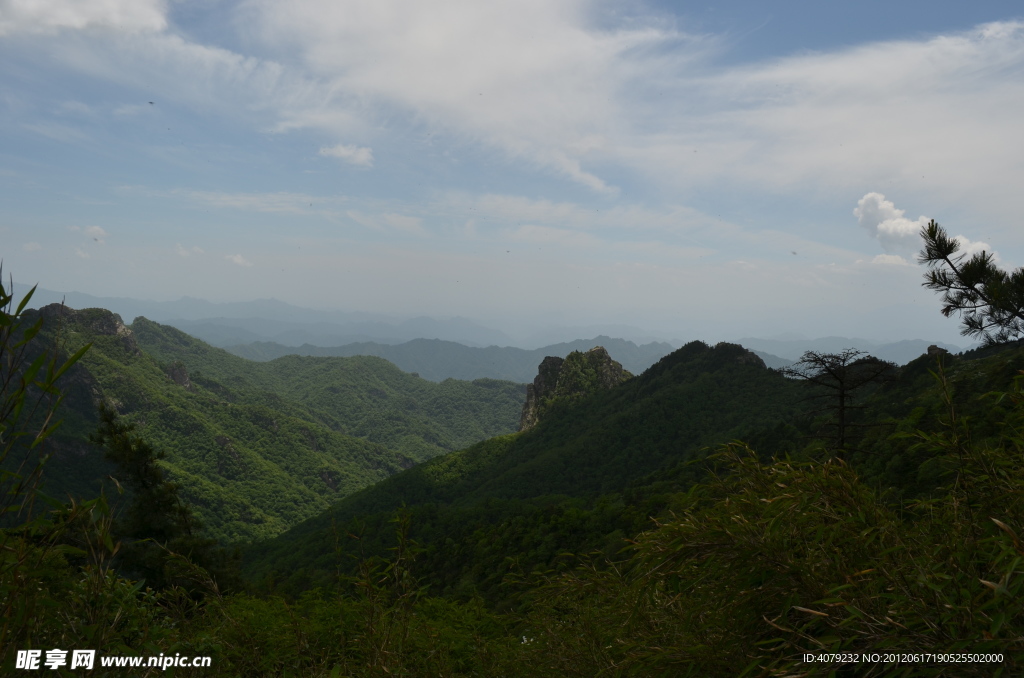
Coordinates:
575 376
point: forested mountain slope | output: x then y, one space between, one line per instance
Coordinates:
594 471
585 448
362 396
255 447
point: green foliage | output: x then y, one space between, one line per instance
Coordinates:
990 301
378 622
769 561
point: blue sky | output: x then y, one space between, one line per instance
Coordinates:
699 170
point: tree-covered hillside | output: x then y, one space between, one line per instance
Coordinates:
257 447
583 449
362 396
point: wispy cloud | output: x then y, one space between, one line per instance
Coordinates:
355 155
51 16
389 221
238 259
187 252
57 131
31 247
890 260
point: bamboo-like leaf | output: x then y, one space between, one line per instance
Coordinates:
810 611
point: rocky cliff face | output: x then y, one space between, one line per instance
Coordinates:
577 375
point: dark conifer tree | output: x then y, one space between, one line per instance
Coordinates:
838 377
990 301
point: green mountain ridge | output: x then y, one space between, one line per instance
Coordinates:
257 447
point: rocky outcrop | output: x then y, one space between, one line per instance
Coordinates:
95 321
542 388
575 376
179 375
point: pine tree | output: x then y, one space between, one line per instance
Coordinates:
989 300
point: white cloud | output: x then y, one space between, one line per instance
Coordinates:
237 259
532 78
884 222
936 115
890 260
31 247
352 154
971 247
82 253
549 85
899 236
51 16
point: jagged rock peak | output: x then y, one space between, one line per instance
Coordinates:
97 321
577 375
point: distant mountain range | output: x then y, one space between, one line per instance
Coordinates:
266 328
438 360
226 324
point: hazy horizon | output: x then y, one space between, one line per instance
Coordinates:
187 313
717 171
